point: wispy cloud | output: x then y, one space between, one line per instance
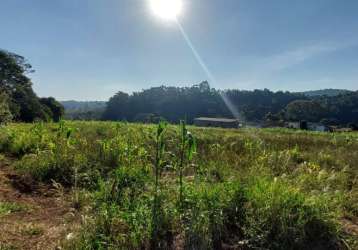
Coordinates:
293 57
259 71
298 55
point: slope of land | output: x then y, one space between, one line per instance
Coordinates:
84 110
326 92
83 105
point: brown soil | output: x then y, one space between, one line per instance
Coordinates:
45 221
350 226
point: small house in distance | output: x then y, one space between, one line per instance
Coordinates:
318 127
311 126
295 125
216 122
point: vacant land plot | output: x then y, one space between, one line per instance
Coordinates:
98 185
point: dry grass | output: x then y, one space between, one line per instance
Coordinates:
270 188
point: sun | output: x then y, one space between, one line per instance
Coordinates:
166 9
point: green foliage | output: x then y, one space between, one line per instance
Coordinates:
55 109
173 103
287 218
158 216
5 113
117 107
11 207
23 104
4 246
187 149
142 187
307 110
32 230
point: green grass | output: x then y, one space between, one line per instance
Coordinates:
7 247
148 187
11 207
32 230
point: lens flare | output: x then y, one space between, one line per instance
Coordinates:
211 77
166 9
170 10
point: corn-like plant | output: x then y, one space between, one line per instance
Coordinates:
253 189
64 130
187 150
160 147
38 130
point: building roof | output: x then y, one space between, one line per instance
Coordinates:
208 119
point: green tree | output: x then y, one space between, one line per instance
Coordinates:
174 103
23 103
117 107
5 114
55 108
28 105
13 70
308 110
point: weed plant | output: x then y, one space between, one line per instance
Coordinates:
163 187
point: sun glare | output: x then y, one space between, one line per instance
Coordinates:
166 9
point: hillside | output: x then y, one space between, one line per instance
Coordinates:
328 106
326 92
83 105
200 100
84 110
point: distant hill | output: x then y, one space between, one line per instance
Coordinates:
84 110
83 105
326 92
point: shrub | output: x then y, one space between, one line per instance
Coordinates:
281 217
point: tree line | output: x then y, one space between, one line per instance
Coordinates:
175 103
18 101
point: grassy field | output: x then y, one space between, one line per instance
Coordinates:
134 186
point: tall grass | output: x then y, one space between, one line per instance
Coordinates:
163 187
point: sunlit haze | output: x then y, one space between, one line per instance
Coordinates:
166 9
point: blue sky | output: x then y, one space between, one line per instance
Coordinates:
89 49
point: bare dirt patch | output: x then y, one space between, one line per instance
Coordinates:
43 222
350 226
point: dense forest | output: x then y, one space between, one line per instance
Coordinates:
175 103
18 101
